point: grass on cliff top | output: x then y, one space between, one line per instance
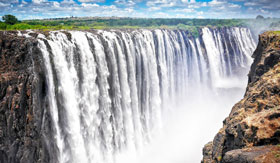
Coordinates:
191 25
23 26
276 32
272 33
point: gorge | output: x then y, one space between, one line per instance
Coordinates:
90 96
251 131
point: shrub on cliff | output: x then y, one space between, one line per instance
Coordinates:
20 26
3 26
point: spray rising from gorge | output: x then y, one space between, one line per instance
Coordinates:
114 92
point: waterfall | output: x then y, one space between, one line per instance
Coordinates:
109 90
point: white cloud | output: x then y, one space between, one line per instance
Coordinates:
92 1
38 1
90 5
161 3
23 2
67 2
250 4
160 8
56 4
186 10
272 5
234 6
216 3
9 1
129 10
188 1
154 8
126 2
3 4
264 11
161 15
192 1
175 4
204 4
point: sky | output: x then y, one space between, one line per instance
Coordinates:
39 9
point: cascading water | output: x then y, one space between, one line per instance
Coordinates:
109 91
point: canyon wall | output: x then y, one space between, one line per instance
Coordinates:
251 133
22 95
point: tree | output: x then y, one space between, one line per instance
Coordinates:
259 17
10 19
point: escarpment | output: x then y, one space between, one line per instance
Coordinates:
251 133
22 91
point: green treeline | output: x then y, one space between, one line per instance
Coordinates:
10 22
134 23
140 22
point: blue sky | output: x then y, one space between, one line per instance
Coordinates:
37 9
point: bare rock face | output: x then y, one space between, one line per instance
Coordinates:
254 122
261 154
22 89
266 56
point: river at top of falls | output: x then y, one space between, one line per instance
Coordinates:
142 95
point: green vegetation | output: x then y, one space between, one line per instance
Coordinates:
194 30
88 23
3 25
10 19
134 23
273 33
113 22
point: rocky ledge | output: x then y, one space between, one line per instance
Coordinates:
251 133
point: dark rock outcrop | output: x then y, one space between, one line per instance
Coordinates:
266 56
254 122
22 90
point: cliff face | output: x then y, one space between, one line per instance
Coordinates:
22 92
252 130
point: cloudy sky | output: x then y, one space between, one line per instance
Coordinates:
34 9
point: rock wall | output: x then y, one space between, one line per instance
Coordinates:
252 130
22 90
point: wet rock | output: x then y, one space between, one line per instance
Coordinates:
266 56
255 120
261 154
20 134
207 153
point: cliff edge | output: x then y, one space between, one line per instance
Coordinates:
251 133
22 96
